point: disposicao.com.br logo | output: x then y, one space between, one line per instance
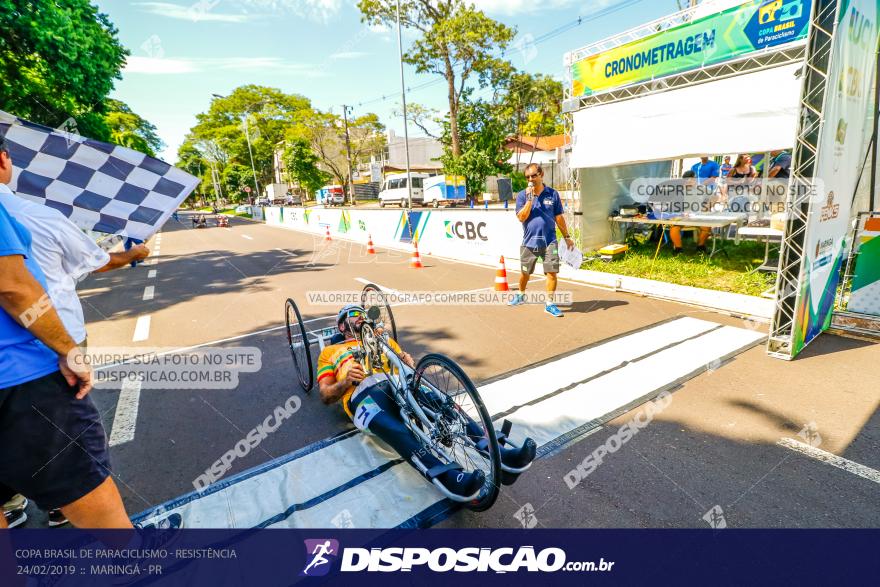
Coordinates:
444 559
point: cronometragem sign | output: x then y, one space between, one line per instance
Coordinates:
709 40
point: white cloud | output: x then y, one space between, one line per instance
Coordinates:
175 66
318 10
199 11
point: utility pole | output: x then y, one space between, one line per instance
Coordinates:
345 110
405 130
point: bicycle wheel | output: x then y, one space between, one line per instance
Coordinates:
372 295
461 423
298 341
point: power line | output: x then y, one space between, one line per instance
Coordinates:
543 38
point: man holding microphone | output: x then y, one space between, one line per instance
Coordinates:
539 208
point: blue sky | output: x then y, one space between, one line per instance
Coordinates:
182 51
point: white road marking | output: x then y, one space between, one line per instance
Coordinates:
399 493
142 329
151 274
125 420
831 459
149 292
250 238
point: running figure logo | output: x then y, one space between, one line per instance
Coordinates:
319 554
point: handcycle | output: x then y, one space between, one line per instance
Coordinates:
438 402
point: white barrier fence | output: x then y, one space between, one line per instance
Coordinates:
466 235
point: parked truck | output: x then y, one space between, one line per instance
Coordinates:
444 190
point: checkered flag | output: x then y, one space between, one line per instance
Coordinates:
99 186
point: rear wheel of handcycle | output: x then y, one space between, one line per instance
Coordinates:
465 430
298 341
372 295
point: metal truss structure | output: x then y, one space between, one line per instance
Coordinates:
789 280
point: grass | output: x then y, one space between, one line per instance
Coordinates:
693 268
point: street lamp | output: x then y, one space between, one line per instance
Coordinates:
405 131
247 136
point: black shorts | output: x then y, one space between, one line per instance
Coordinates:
54 447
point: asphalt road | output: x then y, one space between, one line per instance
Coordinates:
716 446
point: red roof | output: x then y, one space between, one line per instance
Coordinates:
527 143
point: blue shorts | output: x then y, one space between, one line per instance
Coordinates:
54 447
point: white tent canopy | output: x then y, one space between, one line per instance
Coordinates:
750 113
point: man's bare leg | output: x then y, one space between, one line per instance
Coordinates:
551 287
523 281
102 508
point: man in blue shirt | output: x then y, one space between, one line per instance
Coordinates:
706 170
780 165
539 208
44 403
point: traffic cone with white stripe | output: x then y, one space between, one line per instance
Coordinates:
415 261
327 235
370 249
501 276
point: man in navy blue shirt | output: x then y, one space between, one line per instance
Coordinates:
54 448
539 208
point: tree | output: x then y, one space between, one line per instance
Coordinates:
58 60
325 134
261 113
457 42
533 105
130 130
235 178
302 166
482 141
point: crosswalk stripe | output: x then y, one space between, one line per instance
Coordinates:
125 420
578 391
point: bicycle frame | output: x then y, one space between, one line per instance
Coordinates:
400 383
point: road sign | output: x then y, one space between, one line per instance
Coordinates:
247 188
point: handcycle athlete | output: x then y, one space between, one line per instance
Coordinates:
368 401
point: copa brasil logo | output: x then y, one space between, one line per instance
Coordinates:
320 554
465 230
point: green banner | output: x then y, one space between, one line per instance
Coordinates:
713 39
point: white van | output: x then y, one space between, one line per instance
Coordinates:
395 191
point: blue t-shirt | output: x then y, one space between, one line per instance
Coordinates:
705 170
539 229
783 160
23 358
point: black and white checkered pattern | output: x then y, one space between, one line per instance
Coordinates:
99 186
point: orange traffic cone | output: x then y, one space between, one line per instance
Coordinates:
501 276
327 235
370 249
415 261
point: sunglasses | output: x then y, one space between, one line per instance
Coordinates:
355 314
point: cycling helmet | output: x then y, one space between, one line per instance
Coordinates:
343 313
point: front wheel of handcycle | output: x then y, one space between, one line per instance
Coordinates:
298 341
461 424
372 295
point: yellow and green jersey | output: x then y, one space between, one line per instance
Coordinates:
337 359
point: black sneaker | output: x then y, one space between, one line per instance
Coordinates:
702 249
15 517
56 518
676 251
